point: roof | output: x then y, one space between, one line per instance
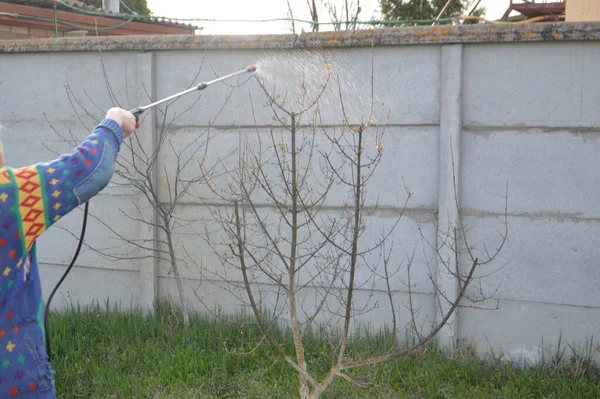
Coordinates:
86 7
541 11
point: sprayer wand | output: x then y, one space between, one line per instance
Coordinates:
139 110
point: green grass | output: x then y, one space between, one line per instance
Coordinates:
110 354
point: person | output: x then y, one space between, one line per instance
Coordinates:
32 199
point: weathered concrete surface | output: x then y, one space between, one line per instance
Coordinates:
110 219
148 266
419 174
413 228
449 203
215 297
43 81
539 253
529 328
478 33
414 98
87 286
565 164
543 85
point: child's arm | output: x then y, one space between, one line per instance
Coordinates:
48 191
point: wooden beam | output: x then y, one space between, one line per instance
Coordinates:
441 14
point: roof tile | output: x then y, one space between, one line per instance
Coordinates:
88 7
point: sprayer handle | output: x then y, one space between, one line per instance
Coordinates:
137 112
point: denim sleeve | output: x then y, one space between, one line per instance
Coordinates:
48 191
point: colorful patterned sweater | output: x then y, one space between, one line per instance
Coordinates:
31 200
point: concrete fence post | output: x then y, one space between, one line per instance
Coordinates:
148 139
449 187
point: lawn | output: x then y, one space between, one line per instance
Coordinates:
111 354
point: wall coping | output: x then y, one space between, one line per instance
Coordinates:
477 33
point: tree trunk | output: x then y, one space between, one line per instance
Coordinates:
304 389
186 317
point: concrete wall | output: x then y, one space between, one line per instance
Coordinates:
481 111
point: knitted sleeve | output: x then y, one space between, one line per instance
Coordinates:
48 191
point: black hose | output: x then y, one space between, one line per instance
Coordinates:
85 216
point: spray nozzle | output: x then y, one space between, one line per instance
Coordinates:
252 68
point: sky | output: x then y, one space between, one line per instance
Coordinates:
269 9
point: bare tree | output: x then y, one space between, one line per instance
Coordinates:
295 258
314 14
343 13
291 16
